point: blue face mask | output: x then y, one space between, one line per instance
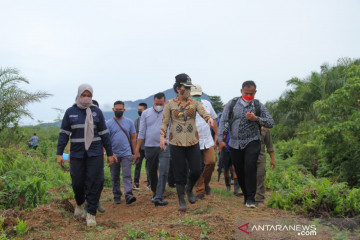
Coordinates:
198 98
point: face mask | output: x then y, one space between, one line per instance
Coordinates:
85 101
159 108
118 114
185 93
139 113
198 98
248 98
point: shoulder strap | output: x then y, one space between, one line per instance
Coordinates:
257 107
231 110
123 130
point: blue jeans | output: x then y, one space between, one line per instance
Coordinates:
156 156
124 163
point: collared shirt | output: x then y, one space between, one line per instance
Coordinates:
34 141
242 130
206 140
150 126
137 128
119 141
266 140
183 130
73 124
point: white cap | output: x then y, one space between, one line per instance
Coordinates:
196 90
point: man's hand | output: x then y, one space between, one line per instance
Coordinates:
111 159
215 141
211 122
133 159
162 143
60 160
137 154
251 116
221 146
272 164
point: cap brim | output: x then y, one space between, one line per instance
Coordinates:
186 84
195 93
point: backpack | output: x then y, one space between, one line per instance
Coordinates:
255 105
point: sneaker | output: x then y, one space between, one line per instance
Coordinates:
117 200
83 216
90 220
207 190
101 208
250 204
79 210
131 200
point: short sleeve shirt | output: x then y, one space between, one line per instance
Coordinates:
206 140
119 141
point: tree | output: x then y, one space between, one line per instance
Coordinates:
217 103
13 100
339 134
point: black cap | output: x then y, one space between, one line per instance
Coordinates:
183 79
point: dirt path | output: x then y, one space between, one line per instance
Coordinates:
215 217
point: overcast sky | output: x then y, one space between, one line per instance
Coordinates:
129 50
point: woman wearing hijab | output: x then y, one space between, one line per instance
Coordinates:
86 124
183 138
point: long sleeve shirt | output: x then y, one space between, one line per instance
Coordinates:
243 131
150 125
73 124
183 130
266 140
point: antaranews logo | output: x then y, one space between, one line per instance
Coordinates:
301 230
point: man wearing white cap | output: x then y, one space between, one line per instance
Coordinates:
207 144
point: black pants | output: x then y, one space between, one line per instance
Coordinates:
245 163
138 167
171 178
184 158
87 175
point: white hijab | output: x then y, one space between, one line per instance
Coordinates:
89 122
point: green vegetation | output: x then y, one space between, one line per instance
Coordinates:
21 228
317 122
134 234
297 190
317 140
26 175
13 100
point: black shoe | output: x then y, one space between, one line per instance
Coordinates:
199 196
117 200
131 200
250 204
207 190
159 202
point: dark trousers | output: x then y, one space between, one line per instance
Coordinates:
171 178
245 163
158 159
184 158
138 167
87 175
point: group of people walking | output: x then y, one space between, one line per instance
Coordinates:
178 137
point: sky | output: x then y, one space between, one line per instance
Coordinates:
129 50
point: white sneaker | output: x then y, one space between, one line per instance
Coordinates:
79 210
90 220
